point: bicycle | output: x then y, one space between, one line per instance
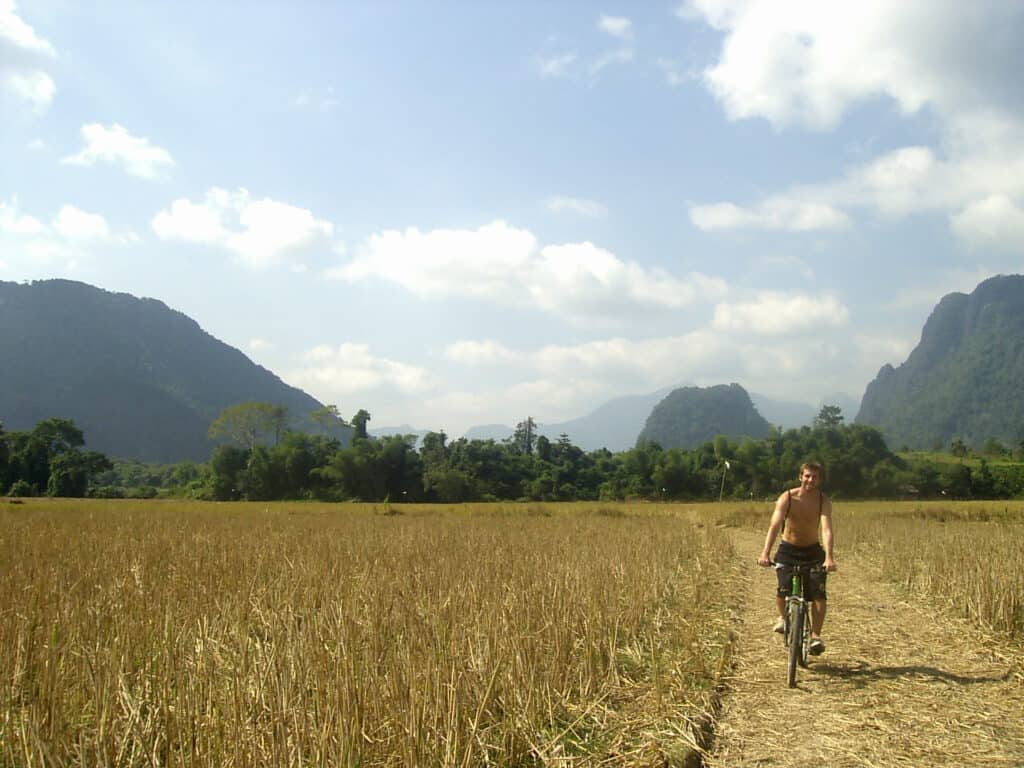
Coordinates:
797 620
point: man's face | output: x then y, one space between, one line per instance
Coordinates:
809 479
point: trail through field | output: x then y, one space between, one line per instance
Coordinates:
898 684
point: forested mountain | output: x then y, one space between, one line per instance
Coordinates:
139 379
964 378
690 416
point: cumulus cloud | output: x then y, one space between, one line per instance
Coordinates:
579 206
776 213
115 145
24 56
579 281
995 220
778 314
336 373
260 233
806 64
70 235
13 222
616 26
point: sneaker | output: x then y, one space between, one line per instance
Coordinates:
817 646
780 626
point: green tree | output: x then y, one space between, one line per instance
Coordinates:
829 416
227 462
525 436
249 424
70 472
359 423
328 418
958 448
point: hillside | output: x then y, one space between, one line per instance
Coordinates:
691 416
141 380
963 380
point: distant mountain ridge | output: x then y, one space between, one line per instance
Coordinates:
141 380
616 424
963 379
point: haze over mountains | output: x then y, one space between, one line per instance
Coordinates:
145 381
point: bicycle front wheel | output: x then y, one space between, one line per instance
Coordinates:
796 639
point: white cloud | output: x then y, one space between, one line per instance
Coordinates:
260 233
777 314
618 56
75 224
259 345
995 220
808 63
336 373
12 222
478 353
616 26
776 213
29 244
578 281
116 146
580 206
23 56
558 65
675 74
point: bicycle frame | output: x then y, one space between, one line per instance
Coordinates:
797 624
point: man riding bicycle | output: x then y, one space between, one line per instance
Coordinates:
799 513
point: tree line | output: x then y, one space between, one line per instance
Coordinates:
259 459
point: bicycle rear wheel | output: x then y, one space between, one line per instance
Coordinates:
796 639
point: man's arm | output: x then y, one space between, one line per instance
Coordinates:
778 518
827 534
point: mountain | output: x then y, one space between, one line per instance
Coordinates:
691 416
496 432
141 380
613 425
403 429
616 424
963 380
783 413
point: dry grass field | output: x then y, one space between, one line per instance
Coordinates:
188 634
164 633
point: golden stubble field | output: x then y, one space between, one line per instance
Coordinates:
172 633
162 633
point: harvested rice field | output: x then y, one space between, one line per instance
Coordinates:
182 634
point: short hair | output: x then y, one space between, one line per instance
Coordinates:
813 466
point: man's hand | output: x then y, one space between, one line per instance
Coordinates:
764 560
830 566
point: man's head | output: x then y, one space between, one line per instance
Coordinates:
810 474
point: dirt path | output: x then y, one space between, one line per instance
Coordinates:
897 686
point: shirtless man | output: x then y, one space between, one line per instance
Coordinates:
798 514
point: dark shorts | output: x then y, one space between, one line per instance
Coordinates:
787 554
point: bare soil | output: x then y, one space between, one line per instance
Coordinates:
898 685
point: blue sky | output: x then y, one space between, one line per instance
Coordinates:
457 213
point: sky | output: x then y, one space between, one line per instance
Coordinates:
458 213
